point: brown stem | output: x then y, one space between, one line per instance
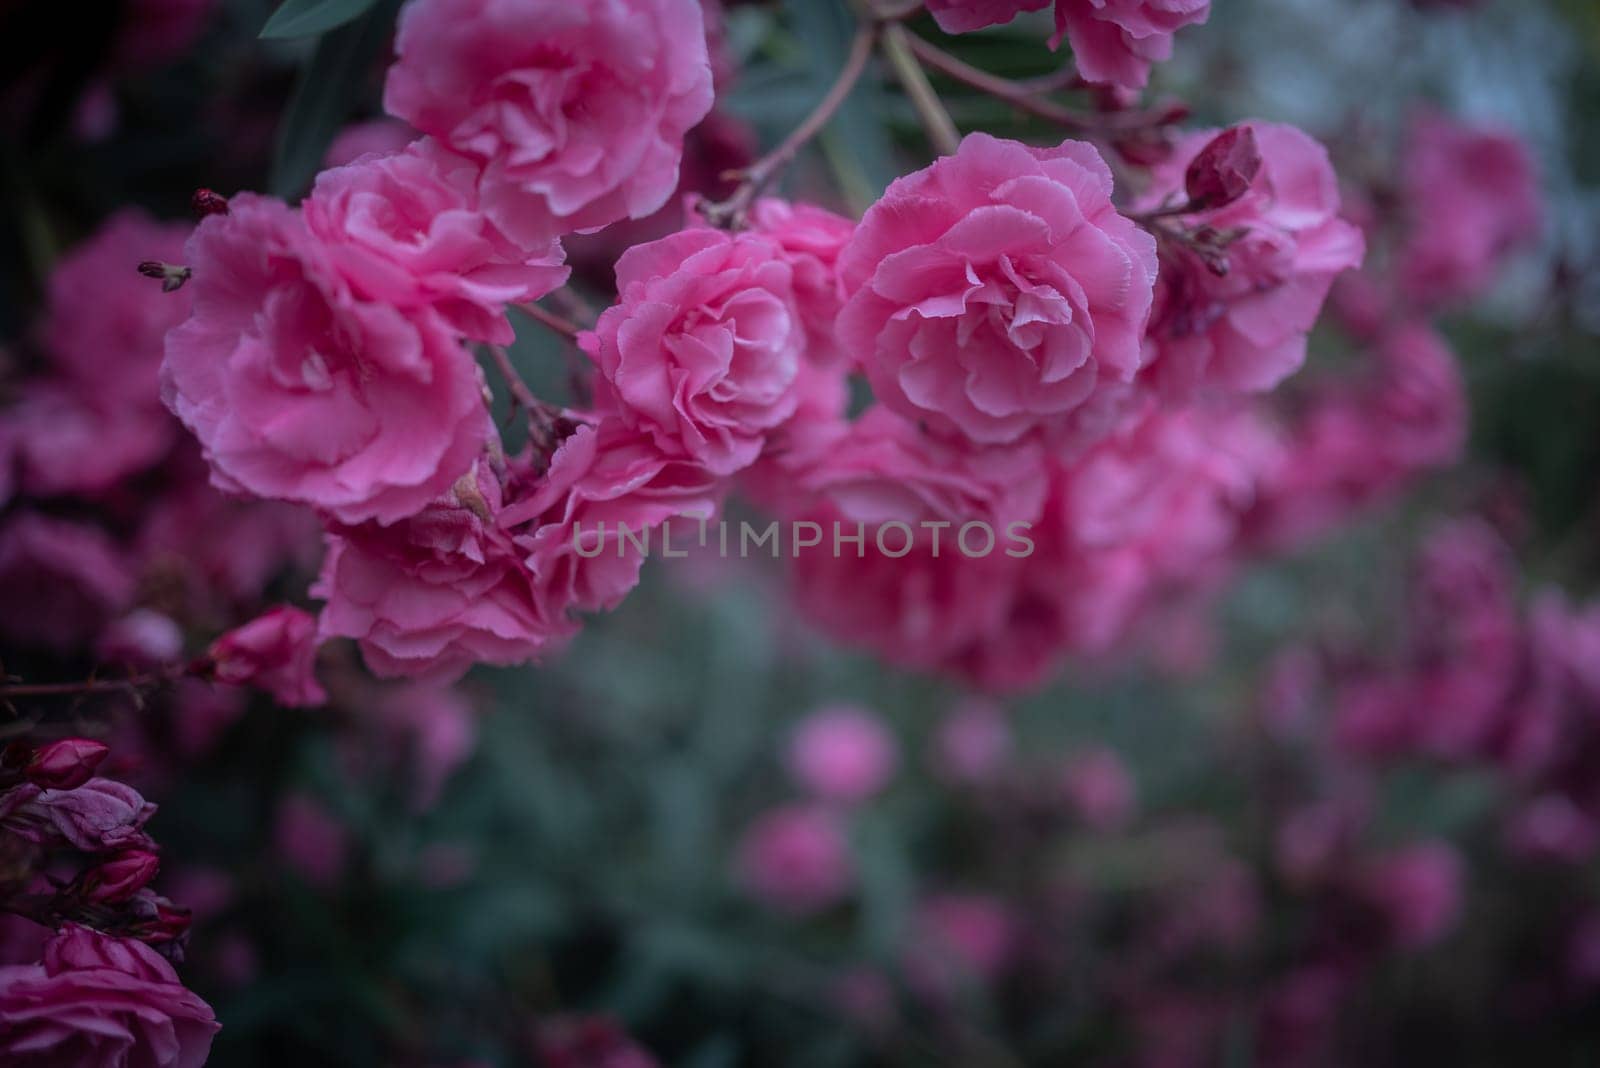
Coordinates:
899 46
756 177
519 389
549 319
1024 97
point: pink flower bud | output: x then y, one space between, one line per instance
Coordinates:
275 652
208 202
122 876
1224 169
65 765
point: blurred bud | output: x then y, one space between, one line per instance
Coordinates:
122 876
65 765
1224 169
208 202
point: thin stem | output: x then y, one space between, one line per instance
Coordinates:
549 319
1024 97
519 389
756 177
73 689
899 46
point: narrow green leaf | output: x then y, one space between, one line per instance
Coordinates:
330 84
307 18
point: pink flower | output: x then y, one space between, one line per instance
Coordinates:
589 1042
275 652
153 32
1418 889
122 876
103 323
310 840
796 859
383 137
223 551
842 753
883 468
576 111
406 230
300 390
704 347
961 936
964 16
972 743
1113 41
1099 789
608 491
101 815
1117 41
811 239
998 292
1470 196
71 439
100 1002
437 593
1244 327
60 581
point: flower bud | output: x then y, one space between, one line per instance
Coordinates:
1224 169
65 765
122 876
208 202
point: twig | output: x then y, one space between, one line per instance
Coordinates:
1025 98
899 46
549 319
519 389
756 177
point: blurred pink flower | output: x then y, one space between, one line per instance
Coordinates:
1099 789
381 137
972 743
1470 197
1418 889
310 840
60 581
842 753
796 859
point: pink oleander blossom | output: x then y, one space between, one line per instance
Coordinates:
60 581
438 592
1246 329
1115 41
1470 197
811 240
95 1001
704 348
998 293
300 390
577 112
275 652
406 229
579 525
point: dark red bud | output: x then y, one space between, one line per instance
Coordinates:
65 765
122 876
1224 169
208 202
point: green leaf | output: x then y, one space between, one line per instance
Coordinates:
330 84
307 18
